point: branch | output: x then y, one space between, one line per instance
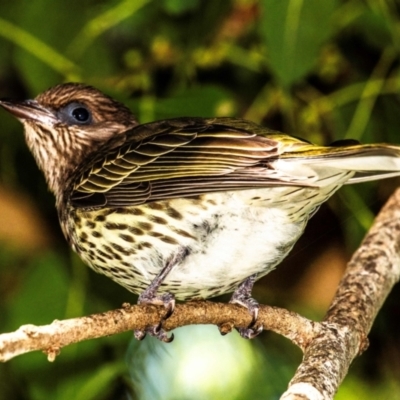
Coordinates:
52 338
370 275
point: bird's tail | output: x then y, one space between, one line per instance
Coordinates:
355 163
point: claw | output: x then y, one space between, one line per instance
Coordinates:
168 301
242 296
250 333
155 331
139 334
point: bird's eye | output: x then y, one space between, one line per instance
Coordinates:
81 114
75 114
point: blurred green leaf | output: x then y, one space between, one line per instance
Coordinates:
42 298
206 101
373 88
374 27
294 31
38 49
102 22
40 57
98 383
180 6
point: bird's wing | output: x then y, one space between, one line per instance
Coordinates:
182 157
191 156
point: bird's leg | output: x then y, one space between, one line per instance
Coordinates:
242 296
149 296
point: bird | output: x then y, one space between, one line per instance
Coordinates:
185 208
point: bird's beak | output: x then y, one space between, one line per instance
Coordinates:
29 110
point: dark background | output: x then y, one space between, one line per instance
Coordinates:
322 70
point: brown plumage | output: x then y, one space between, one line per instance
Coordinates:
187 207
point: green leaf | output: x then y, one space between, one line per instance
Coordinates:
36 52
103 22
294 31
374 27
180 6
42 31
201 101
42 297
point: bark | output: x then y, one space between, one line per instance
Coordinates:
370 275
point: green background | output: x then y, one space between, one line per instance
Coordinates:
322 70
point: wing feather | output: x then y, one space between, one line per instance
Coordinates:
190 156
182 157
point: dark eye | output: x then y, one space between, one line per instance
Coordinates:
81 114
75 114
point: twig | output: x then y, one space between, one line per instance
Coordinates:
52 338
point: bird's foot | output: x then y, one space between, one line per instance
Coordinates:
168 301
242 296
149 296
253 307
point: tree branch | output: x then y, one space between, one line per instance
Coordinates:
52 338
370 275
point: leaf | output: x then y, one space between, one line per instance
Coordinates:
180 6
204 101
102 22
374 27
38 50
294 31
43 29
42 296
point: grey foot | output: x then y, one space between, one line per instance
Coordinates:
242 296
252 330
149 296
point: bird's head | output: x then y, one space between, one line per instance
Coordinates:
67 123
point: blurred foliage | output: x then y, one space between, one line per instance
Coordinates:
323 70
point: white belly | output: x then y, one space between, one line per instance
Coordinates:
242 241
226 238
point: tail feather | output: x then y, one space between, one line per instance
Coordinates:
360 177
325 165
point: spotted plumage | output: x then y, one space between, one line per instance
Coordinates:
189 207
